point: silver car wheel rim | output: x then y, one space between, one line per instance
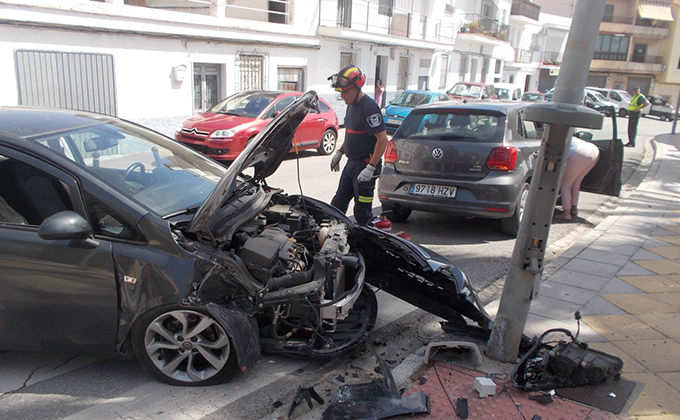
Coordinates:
328 141
523 203
187 346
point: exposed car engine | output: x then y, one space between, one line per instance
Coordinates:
299 276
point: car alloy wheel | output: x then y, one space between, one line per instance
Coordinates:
184 347
328 142
622 112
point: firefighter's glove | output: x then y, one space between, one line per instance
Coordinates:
335 161
366 174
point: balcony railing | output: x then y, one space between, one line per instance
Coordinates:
384 20
525 8
522 56
552 57
630 20
476 23
642 58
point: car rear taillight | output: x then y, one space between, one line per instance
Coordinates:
502 159
391 152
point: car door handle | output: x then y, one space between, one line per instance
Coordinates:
320 119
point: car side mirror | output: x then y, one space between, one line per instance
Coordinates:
65 225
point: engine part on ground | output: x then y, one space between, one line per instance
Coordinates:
566 364
434 347
305 394
375 400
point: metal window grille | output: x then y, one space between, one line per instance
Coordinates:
251 69
80 81
385 7
463 67
444 70
291 79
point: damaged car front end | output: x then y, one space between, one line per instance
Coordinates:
235 267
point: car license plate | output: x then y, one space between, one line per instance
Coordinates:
438 191
393 121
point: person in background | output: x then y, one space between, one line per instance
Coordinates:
364 145
379 94
582 158
636 104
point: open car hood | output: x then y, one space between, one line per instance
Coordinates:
264 153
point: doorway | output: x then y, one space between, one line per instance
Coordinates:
206 86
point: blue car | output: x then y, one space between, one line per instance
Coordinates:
402 105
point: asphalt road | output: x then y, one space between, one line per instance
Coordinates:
63 386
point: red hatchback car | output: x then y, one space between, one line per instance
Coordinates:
222 131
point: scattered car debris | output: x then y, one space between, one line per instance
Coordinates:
566 364
542 398
485 387
305 394
462 408
378 399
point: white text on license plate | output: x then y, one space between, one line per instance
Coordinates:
439 191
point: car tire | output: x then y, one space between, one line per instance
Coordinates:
510 225
180 345
329 141
396 214
623 112
663 117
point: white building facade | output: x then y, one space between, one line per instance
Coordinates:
167 59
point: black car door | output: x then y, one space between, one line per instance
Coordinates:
55 295
605 177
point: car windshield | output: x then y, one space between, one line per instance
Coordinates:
478 126
598 96
532 97
626 95
462 89
410 99
145 166
244 104
504 93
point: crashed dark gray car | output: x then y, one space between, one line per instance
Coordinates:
117 240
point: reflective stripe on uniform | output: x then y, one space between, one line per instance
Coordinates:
364 199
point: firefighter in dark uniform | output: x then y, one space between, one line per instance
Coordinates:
364 145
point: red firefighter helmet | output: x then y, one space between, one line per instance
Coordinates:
346 78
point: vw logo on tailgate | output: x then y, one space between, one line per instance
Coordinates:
437 153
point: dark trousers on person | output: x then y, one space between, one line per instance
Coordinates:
361 192
633 120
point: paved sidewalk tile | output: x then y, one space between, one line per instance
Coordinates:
618 286
592 267
654 284
657 396
641 303
621 327
600 306
656 355
671 252
663 267
666 324
567 293
578 279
